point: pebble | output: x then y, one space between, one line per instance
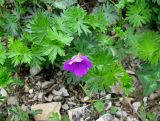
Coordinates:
59 93
86 98
71 103
30 91
34 71
59 73
105 117
64 92
40 95
121 114
50 98
65 107
136 105
46 84
24 107
12 100
57 98
3 92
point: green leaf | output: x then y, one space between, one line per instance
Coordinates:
138 13
19 53
37 27
75 20
99 105
5 77
2 54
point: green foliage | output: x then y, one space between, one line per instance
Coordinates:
110 12
2 54
150 116
150 77
19 53
5 77
99 105
55 117
106 72
75 19
9 23
138 13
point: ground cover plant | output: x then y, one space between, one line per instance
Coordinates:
96 46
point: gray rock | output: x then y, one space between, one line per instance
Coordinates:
105 117
47 84
57 98
59 93
34 71
40 96
50 98
86 98
136 105
59 73
3 92
12 100
121 114
76 113
64 92
131 119
71 103
24 107
65 107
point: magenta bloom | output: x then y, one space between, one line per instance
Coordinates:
79 65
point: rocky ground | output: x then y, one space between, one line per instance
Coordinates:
49 91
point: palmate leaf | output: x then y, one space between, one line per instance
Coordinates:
149 47
54 44
75 20
98 21
37 27
2 54
37 56
5 77
9 23
19 53
106 72
138 13
110 12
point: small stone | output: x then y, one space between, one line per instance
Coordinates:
24 107
102 93
57 98
108 97
132 119
121 114
31 95
59 73
59 93
31 91
46 84
71 103
12 100
145 101
26 88
64 92
77 112
3 92
50 98
47 110
34 71
65 107
105 117
116 119
40 95
136 105
86 98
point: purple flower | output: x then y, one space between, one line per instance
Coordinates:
79 65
